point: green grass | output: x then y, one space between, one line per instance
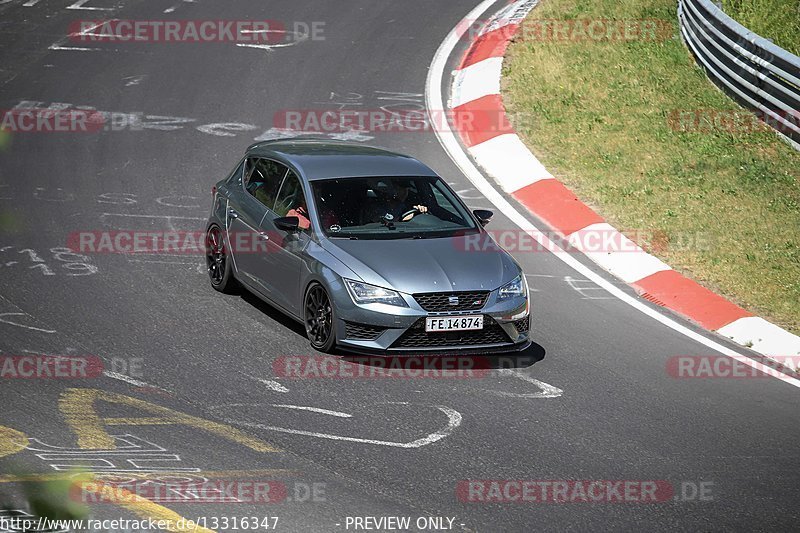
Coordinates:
597 117
778 20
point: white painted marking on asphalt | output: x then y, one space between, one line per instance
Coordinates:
447 138
126 379
262 31
176 6
268 47
156 261
315 410
80 4
278 133
44 352
394 95
12 323
85 31
351 135
298 38
73 48
585 292
453 421
285 133
134 80
220 128
58 45
163 200
272 385
131 381
545 389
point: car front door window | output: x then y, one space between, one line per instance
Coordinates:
291 201
263 180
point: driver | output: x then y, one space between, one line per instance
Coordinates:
301 212
398 202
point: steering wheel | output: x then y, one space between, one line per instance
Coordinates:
408 215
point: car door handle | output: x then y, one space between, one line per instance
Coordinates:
263 235
232 213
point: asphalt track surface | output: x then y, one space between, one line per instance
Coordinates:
611 411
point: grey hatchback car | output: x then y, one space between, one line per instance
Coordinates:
369 249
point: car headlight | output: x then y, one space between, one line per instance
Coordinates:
516 287
364 293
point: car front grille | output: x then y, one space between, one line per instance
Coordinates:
440 302
417 337
523 324
363 332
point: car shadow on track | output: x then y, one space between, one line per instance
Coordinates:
474 361
272 313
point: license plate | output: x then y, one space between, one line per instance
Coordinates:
453 323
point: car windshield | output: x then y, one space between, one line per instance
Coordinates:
390 208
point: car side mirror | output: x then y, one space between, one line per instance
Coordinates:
290 224
483 216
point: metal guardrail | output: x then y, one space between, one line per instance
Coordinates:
751 69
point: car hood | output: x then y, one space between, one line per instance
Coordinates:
463 263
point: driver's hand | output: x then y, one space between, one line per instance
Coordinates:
421 208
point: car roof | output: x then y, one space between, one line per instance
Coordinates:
324 158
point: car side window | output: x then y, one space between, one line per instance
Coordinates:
235 177
442 202
292 201
263 178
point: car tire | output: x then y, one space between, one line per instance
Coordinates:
319 319
218 262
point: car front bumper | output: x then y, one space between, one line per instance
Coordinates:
385 329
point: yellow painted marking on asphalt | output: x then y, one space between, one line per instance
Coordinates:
108 493
78 408
11 441
141 507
